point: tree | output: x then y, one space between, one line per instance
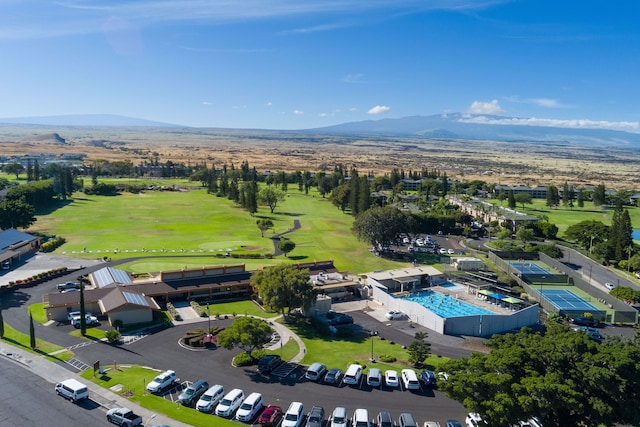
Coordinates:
32 332
270 196
286 245
419 349
112 335
511 200
83 312
525 234
340 196
553 198
587 233
561 377
523 198
264 225
599 196
626 294
246 333
16 213
284 287
620 238
1 324
380 225
13 168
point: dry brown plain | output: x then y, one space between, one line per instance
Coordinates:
492 161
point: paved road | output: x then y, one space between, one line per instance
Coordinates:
29 400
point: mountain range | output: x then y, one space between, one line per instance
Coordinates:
440 126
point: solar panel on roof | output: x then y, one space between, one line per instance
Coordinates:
135 299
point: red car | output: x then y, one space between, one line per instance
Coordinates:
270 416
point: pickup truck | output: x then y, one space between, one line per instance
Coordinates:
123 417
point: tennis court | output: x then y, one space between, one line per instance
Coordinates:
566 300
529 268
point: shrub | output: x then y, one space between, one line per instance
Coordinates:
52 244
118 323
243 359
112 336
387 358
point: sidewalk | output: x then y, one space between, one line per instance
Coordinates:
55 373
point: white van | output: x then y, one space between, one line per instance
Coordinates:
294 415
353 374
72 389
410 379
210 398
360 418
250 407
229 403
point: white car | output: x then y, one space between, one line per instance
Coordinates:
395 315
451 251
443 251
391 378
162 381
610 286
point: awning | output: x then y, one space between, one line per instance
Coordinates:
484 292
512 300
496 296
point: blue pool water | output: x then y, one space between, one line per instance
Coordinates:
445 305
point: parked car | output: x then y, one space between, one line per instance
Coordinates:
442 251
395 315
162 381
341 319
453 423
72 389
333 376
585 321
428 378
294 415
410 379
89 320
360 418
610 286
431 424
124 417
451 251
68 285
192 393
250 407
339 418
593 333
268 363
384 420
315 418
391 378
210 398
374 377
270 416
316 371
230 403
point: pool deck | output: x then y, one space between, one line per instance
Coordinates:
460 292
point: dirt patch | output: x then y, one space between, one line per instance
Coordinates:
475 344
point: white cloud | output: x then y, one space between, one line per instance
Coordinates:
479 107
379 109
540 102
67 17
298 112
268 104
353 109
568 123
326 114
353 78
206 103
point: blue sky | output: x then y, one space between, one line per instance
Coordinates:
295 64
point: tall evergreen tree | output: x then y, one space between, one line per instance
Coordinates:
511 200
364 194
599 195
32 332
354 192
553 198
620 239
1 324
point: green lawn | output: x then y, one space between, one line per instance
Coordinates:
340 352
186 225
43 348
134 380
238 307
564 217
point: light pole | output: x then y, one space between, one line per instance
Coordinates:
373 333
209 317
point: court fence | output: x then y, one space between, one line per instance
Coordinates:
622 313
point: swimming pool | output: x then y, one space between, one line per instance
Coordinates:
445 305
